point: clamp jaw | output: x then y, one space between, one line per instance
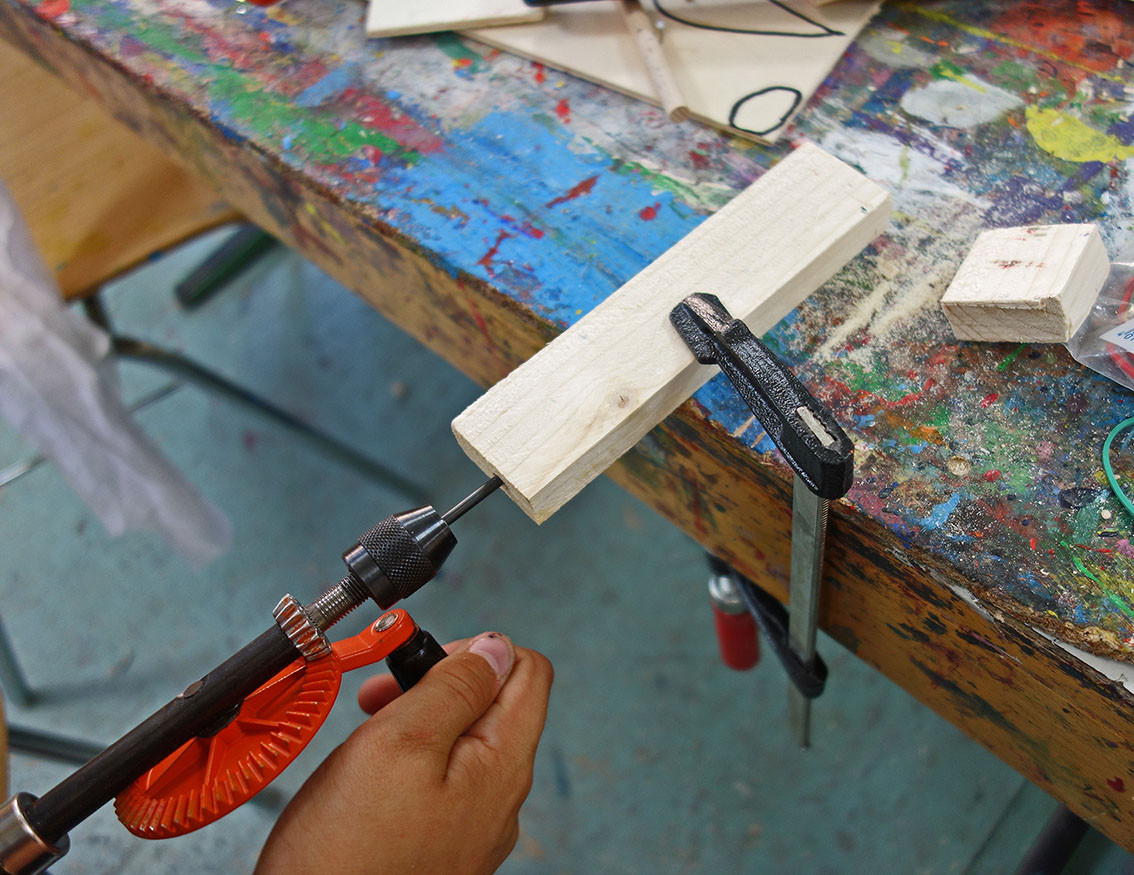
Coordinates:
821 455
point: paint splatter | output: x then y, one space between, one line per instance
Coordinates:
648 214
1067 137
989 399
488 257
53 8
539 73
584 187
563 110
1116 784
965 102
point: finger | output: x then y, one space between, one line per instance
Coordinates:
513 724
451 697
380 690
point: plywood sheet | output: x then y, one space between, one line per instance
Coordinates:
401 18
743 65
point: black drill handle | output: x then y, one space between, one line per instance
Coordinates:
805 431
409 663
192 713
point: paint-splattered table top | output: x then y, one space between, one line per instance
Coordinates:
555 192
526 196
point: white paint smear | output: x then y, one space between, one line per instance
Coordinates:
916 180
964 103
890 47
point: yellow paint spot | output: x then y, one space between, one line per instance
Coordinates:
1071 139
962 78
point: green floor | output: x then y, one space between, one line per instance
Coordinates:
656 759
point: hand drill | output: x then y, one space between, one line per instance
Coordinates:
388 563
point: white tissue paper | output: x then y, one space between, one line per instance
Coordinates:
58 391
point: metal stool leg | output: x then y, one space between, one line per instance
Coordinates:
12 679
1054 846
235 254
187 369
48 745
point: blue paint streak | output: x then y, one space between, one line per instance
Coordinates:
941 512
331 85
609 241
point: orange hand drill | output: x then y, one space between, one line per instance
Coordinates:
229 734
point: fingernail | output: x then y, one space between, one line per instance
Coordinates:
495 648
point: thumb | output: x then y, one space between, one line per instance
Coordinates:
454 694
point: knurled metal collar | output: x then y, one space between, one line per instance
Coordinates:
300 629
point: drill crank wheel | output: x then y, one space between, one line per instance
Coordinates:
208 777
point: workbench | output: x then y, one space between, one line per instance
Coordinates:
483 203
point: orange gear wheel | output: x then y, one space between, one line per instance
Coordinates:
206 778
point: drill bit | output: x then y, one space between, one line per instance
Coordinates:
472 500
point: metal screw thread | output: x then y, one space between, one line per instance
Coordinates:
336 603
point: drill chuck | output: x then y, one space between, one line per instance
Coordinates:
401 554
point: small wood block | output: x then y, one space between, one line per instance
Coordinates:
405 17
560 419
1032 284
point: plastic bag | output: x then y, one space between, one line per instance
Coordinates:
1105 340
58 392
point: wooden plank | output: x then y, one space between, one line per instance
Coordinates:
398 18
1034 284
562 418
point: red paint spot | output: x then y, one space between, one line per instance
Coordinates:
989 399
992 476
1032 543
368 110
372 154
1098 44
462 62
563 110
574 191
486 259
539 75
527 228
53 8
700 161
648 214
483 326
1116 784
